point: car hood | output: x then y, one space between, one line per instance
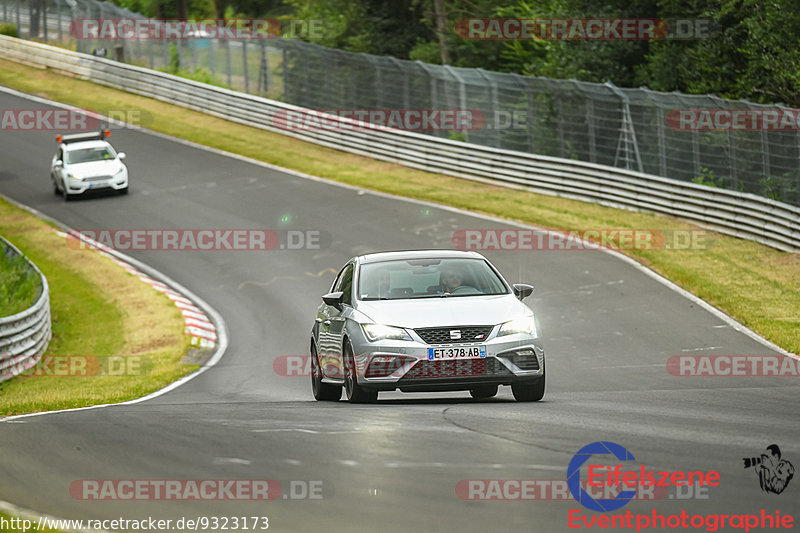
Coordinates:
441 312
96 168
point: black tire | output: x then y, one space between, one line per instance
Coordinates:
123 191
352 390
56 190
65 194
483 392
529 391
323 392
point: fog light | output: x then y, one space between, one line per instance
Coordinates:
381 366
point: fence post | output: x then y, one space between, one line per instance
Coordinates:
462 94
228 61
492 122
434 92
244 67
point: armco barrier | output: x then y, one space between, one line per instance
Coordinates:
740 214
24 336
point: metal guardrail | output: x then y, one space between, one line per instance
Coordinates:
24 336
743 215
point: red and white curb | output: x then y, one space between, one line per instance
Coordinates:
198 326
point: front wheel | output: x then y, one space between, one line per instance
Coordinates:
529 391
354 392
323 392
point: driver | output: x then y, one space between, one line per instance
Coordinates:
449 280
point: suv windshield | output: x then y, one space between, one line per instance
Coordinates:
86 155
428 278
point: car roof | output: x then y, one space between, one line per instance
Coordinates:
84 144
417 254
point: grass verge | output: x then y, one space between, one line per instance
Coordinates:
757 285
114 337
19 284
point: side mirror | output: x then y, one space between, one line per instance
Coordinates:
59 164
522 290
121 155
334 299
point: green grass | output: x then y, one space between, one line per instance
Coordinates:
98 309
757 285
19 284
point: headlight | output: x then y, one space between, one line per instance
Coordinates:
525 324
73 176
377 332
119 173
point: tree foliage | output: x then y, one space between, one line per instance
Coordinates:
751 53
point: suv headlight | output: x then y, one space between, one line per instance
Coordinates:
377 332
73 176
525 324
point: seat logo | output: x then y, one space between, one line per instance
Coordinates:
455 334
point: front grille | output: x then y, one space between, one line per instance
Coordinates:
457 368
97 178
525 360
442 335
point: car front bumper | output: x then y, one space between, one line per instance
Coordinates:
406 365
76 186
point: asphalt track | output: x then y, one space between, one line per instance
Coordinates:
609 329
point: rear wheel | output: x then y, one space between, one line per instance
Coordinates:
354 392
323 392
483 392
529 391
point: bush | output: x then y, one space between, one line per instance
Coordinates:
8 29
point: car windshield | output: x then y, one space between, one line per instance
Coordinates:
87 155
428 278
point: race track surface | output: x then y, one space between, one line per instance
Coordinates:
609 329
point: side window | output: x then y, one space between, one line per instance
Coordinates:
345 284
60 155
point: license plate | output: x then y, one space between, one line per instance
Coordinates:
457 352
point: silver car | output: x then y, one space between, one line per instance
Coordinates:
425 321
